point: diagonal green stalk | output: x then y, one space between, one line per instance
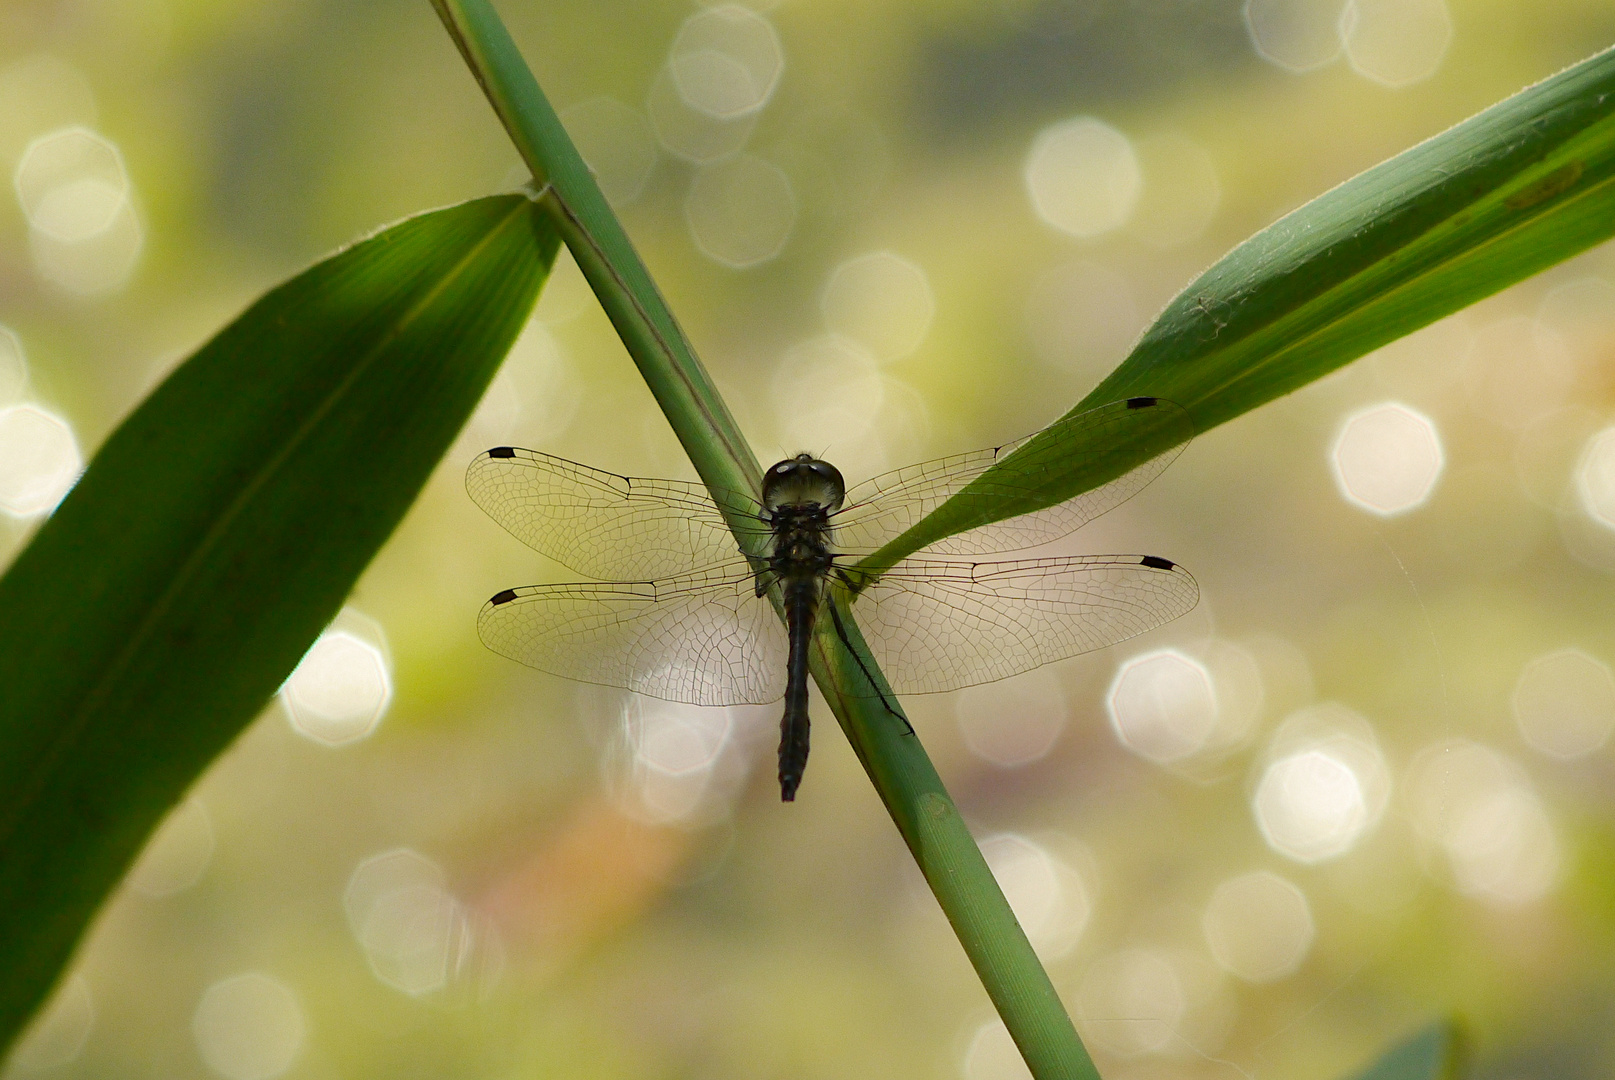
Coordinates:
897 764
681 386
947 854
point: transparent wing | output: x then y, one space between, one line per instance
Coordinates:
600 524
881 509
935 626
705 638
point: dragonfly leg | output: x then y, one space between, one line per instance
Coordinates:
841 632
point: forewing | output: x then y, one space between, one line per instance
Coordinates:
705 638
936 626
881 509
600 524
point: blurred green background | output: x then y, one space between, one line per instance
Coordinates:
1364 783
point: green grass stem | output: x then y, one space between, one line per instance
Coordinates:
891 754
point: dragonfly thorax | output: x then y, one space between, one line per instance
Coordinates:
803 483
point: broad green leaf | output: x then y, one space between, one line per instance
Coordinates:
215 534
1432 1053
1511 191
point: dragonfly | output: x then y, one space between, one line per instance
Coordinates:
677 609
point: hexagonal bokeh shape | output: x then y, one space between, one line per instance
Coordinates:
1311 806
340 691
880 300
1258 926
249 1027
741 211
39 460
1387 459
1083 177
1163 706
1564 704
1133 1001
1296 35
1595 478
71 184
726 61
1396 42
1481 808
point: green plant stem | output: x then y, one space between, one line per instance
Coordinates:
614 270
890 752
947 855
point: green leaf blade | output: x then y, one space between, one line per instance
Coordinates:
1507 193
217 531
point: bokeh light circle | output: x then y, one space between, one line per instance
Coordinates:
39 460
1258 926
1387 459
880 300
1163 706
1564 704
1083 177
741 211
249 1027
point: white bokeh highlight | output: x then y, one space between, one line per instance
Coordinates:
1564 704
177 855
342 687
1396 43
75 194
57 1035
417 937
1050 899
827 391
1083 177
1258 926
1296 35
1132 1002
1387 459
249 1027
830 394
726 61
1325 786
1595 478
676 764
39 460
1478 807
1014 722
741 211
690 134
1163 706
880 300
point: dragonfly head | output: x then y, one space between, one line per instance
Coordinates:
802 481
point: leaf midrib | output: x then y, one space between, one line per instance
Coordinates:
100 690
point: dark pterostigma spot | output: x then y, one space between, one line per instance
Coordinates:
503 597
502 451
1154 562
1141 402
